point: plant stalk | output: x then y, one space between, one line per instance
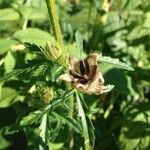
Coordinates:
53 15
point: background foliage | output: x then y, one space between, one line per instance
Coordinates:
35 109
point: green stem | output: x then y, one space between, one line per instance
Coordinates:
71 105
53 15
25 22
111 106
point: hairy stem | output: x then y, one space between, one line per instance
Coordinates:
55 21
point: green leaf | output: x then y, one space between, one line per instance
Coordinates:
91 132
34 116
116 62
85 131
142 31
6 45
55 103
72 123
9 96
55 130
58 101
144 143
135 126
8 14
117 77
132 86
9 62
33 36
130 5
80 21
147 20
4 142
73 51
29 12
43 129
129 144
16 72
30 119
55 146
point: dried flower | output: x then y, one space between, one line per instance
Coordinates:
85 75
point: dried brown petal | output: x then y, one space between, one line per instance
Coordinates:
85 75
65 77
72 62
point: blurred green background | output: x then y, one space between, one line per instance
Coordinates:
116 28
